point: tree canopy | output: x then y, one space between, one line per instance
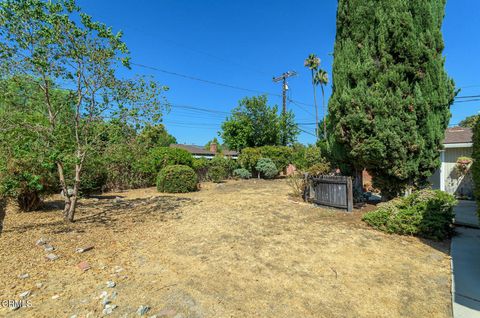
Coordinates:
61 48
391 95
470 121
254 124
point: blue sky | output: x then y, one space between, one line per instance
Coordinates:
246 43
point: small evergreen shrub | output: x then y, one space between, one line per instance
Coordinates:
242 173
266 168
425 213
200 165
177 179
217 174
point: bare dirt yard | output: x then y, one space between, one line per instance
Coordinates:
238 249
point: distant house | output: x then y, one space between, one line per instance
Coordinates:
457 143
200 152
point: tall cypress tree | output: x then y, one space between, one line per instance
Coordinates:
391 95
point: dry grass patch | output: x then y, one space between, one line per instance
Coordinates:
239 249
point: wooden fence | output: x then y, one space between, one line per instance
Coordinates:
332 191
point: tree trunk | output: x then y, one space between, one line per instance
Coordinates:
65 194
3 208
315 103
70 214
29 201
358 185
324 114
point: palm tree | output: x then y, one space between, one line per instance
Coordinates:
313 63
321 77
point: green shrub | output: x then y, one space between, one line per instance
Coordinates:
306 157
217 174
281 156
425 213
227 164
248 158
160 157
476 164
123 167
242 173
266 168
319 169
200 165
177 179
94 175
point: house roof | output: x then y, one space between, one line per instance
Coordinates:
458 135
197 150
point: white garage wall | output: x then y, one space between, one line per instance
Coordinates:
456 183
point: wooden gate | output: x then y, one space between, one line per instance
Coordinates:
332 191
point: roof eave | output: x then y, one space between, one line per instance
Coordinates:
458 145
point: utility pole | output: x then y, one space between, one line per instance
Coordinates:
283 78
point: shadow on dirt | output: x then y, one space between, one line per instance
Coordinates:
112 213
3 206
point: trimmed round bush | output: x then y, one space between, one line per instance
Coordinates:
266 168
242 173
177 179
425 213
217 174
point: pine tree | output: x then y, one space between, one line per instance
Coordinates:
391 95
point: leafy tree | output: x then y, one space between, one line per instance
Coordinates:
26 168
156 136
470 121
57 44
391 94
253 124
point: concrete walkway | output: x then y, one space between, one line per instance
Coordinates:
466 214
465 252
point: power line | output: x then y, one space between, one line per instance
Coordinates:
300 106
223 59
193 123
194 78
204 80
472 96
200 109
467 101
228 61
307 132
